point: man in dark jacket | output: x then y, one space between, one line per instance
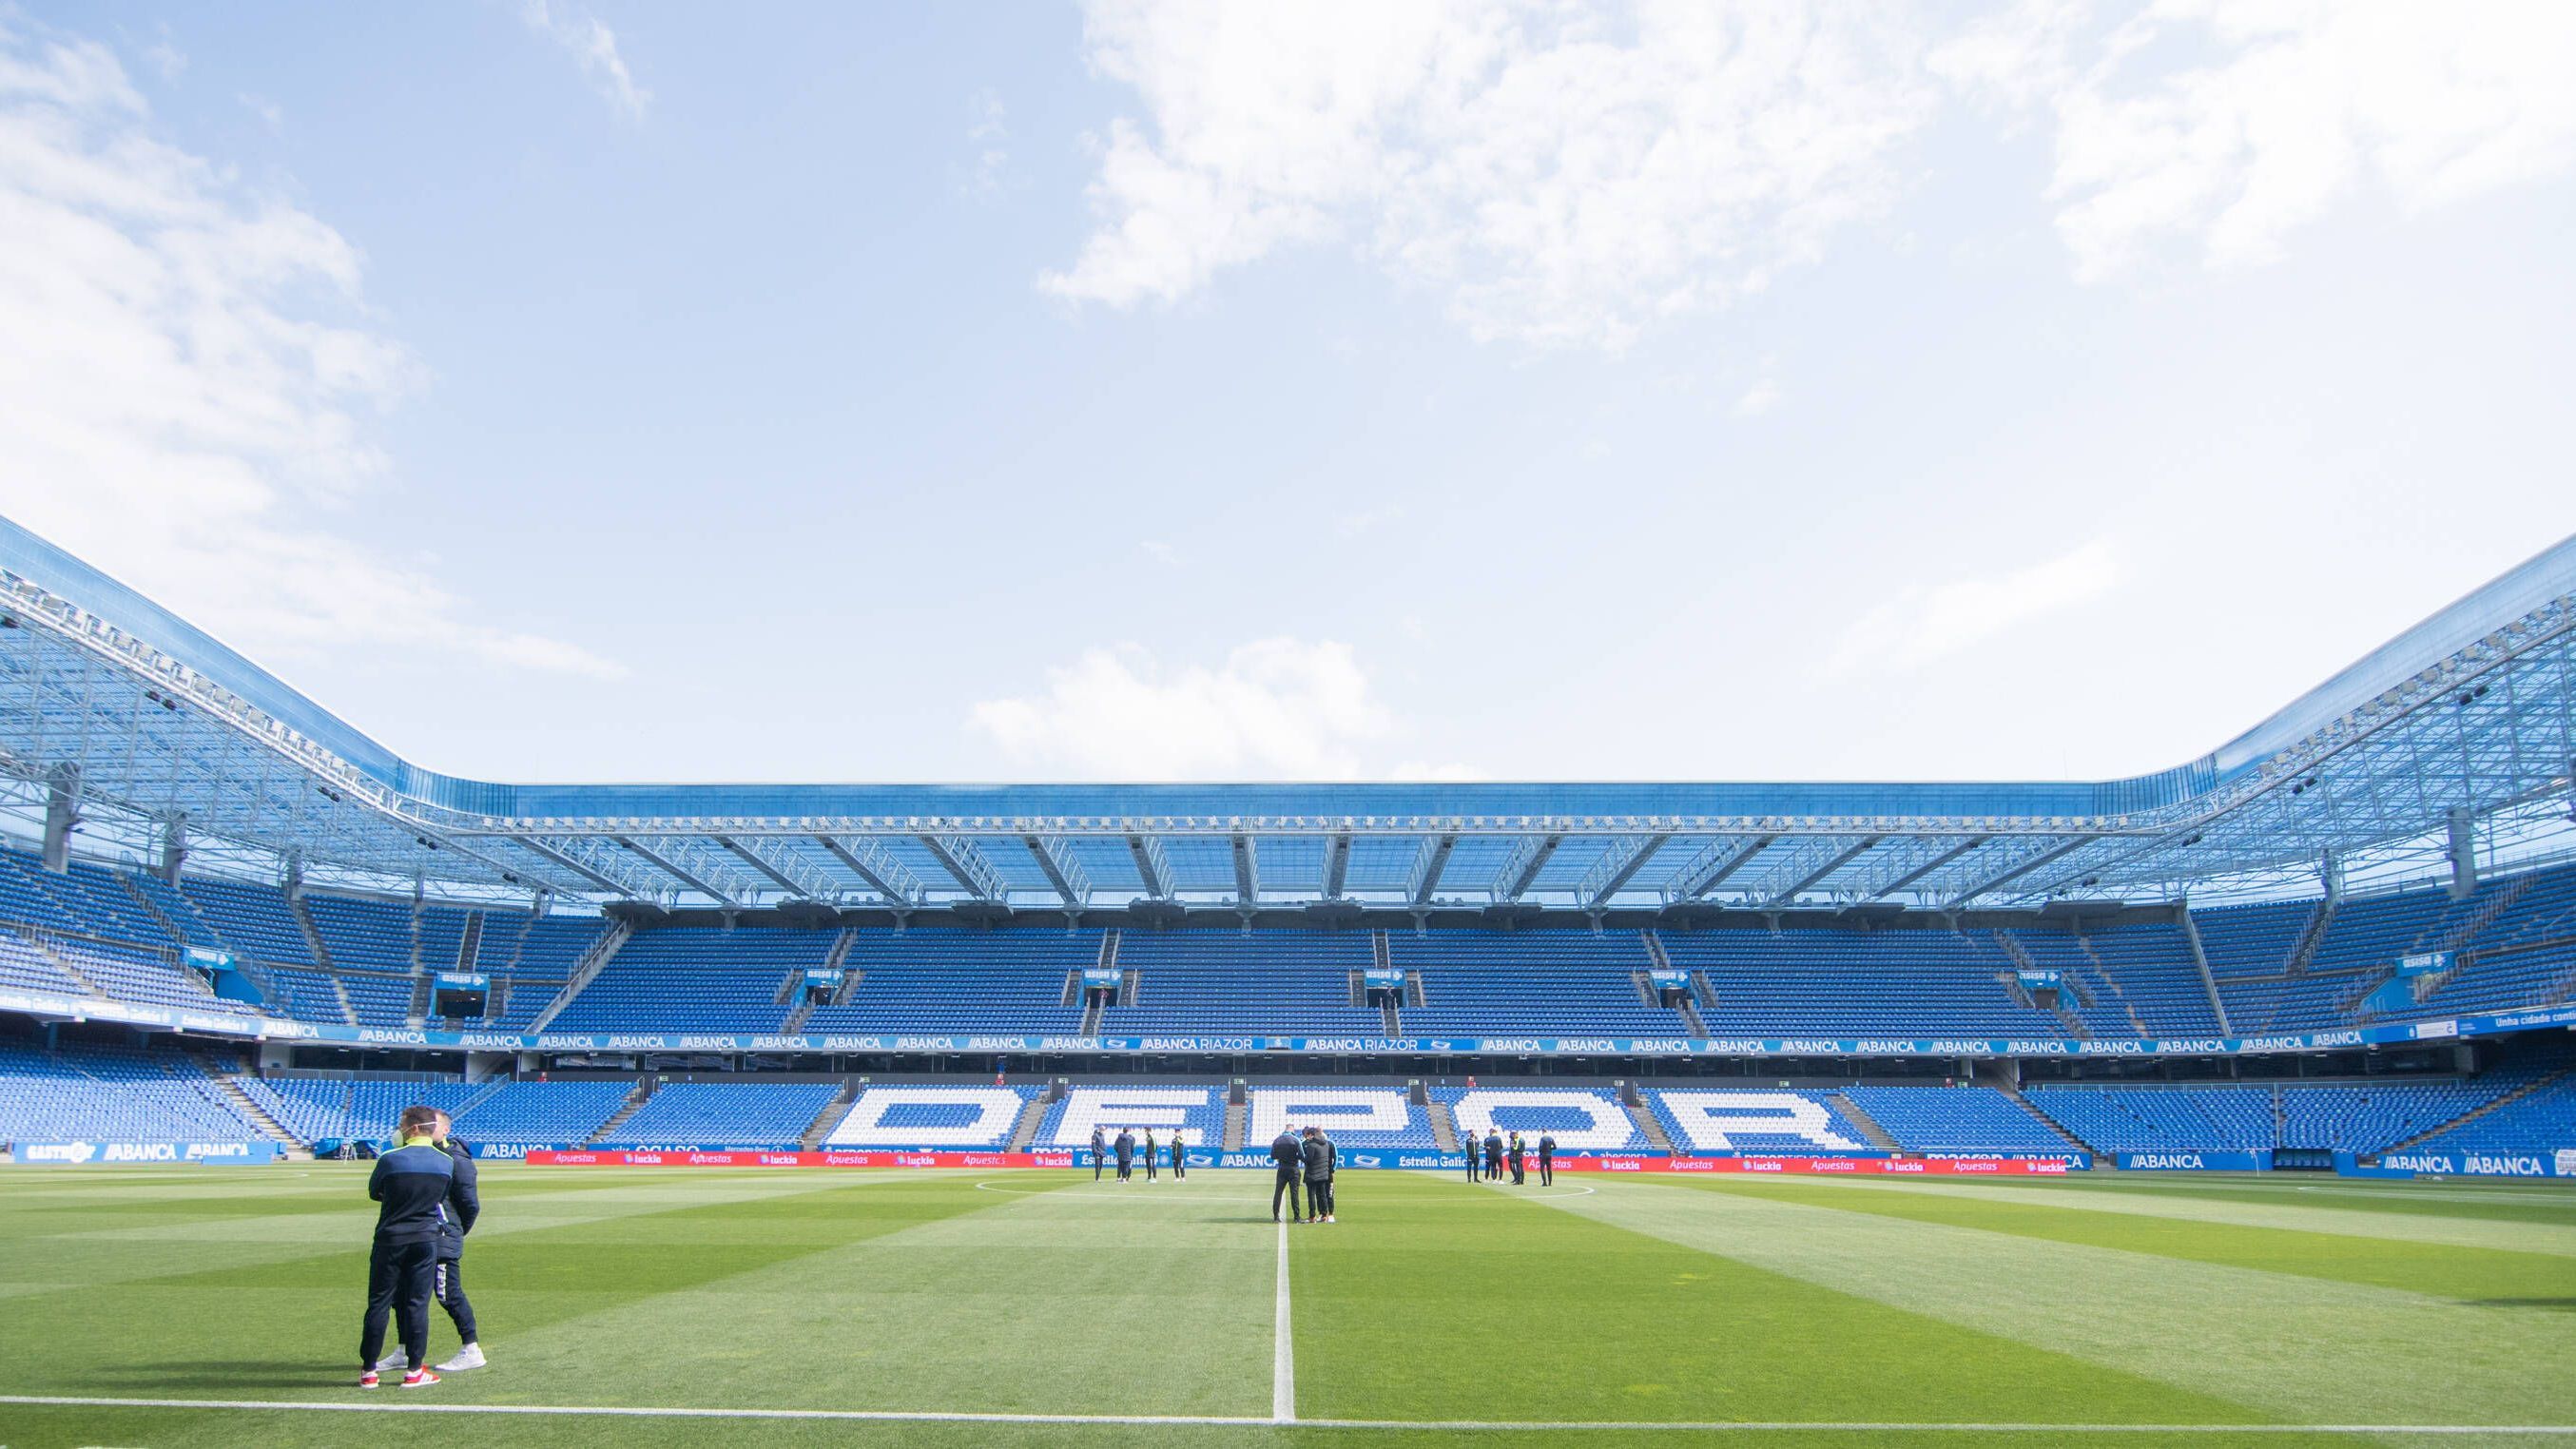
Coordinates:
1475 1155
1149 1155
1099 1152
1288 1165
410 1186
1126 1154
1493 1153
1180 1169
1518 1153
1546 1159
447 1278
1320 1157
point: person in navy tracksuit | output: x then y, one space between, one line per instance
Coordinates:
1546 1158
410 1186
447 1276
1126 1154
1099 1153
1180 1169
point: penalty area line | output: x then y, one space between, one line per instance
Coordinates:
1283 1348
932 1416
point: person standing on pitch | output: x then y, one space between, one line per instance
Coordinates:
1099 1153
1516 1154
1180 1169
1493 1153
1126 1154
1546 1159
1288 1164
1149 1156
1473 1157
447 1279
409 1186
1319 1157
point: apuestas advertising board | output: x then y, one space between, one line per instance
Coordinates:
1863 1166
100 1154
2418 1162
2195 1161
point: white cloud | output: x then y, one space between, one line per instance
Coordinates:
2289 107
1275 709
187 379
1758 399
270 113
1159 551
1921 626
1556 176
987 131
594 46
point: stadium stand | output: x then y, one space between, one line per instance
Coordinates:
1754 1121
118 1094
1213 982
1828 982
724 1114
543 1113
1954 1119
1198 1110
948 979
1476 982
710 978
1585 1120
1354 1116
947 1118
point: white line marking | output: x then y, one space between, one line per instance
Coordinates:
1283 1348
907 1416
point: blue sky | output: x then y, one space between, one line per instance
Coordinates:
1137 391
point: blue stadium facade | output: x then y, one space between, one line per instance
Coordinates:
2352 929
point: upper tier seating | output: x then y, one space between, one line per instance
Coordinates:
1905 982
696 978
543 1113
947 980
1215 982
1541 982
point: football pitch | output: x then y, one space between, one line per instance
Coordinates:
702 1307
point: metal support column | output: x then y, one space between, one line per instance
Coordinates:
62 812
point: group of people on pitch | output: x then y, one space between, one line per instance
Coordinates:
1307 1157
1488 1165
1125 1151
425 1205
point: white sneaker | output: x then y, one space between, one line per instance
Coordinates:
393 1360
468 1357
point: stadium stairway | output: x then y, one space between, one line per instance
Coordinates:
255 1114
61 962
2033 1108
830 1117
635 1101
1444 1127
1235 1114
312 937
1870 1131
594 959
2538 1084
1644 1117
1024 1133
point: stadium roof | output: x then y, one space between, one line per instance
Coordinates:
156 728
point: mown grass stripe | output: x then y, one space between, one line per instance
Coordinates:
1435 1300
2303 1349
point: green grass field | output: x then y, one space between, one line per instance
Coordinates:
1805 1311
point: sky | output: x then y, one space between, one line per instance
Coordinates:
1131 390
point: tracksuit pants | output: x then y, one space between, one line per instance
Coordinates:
1284 1181
1319 1197
400 1280
1516 1169
1471 1167
1099 1164
1126 1169
1149 1167
1546 1169
1179 1168
447 1284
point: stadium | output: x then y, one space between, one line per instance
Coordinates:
2339 949
1787 723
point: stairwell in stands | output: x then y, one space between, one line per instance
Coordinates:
635 1101
1870 1131
2539 1084
830 1117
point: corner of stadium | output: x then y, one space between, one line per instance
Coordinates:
2319 980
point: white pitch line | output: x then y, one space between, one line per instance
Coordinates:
929 1416
1283 1348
